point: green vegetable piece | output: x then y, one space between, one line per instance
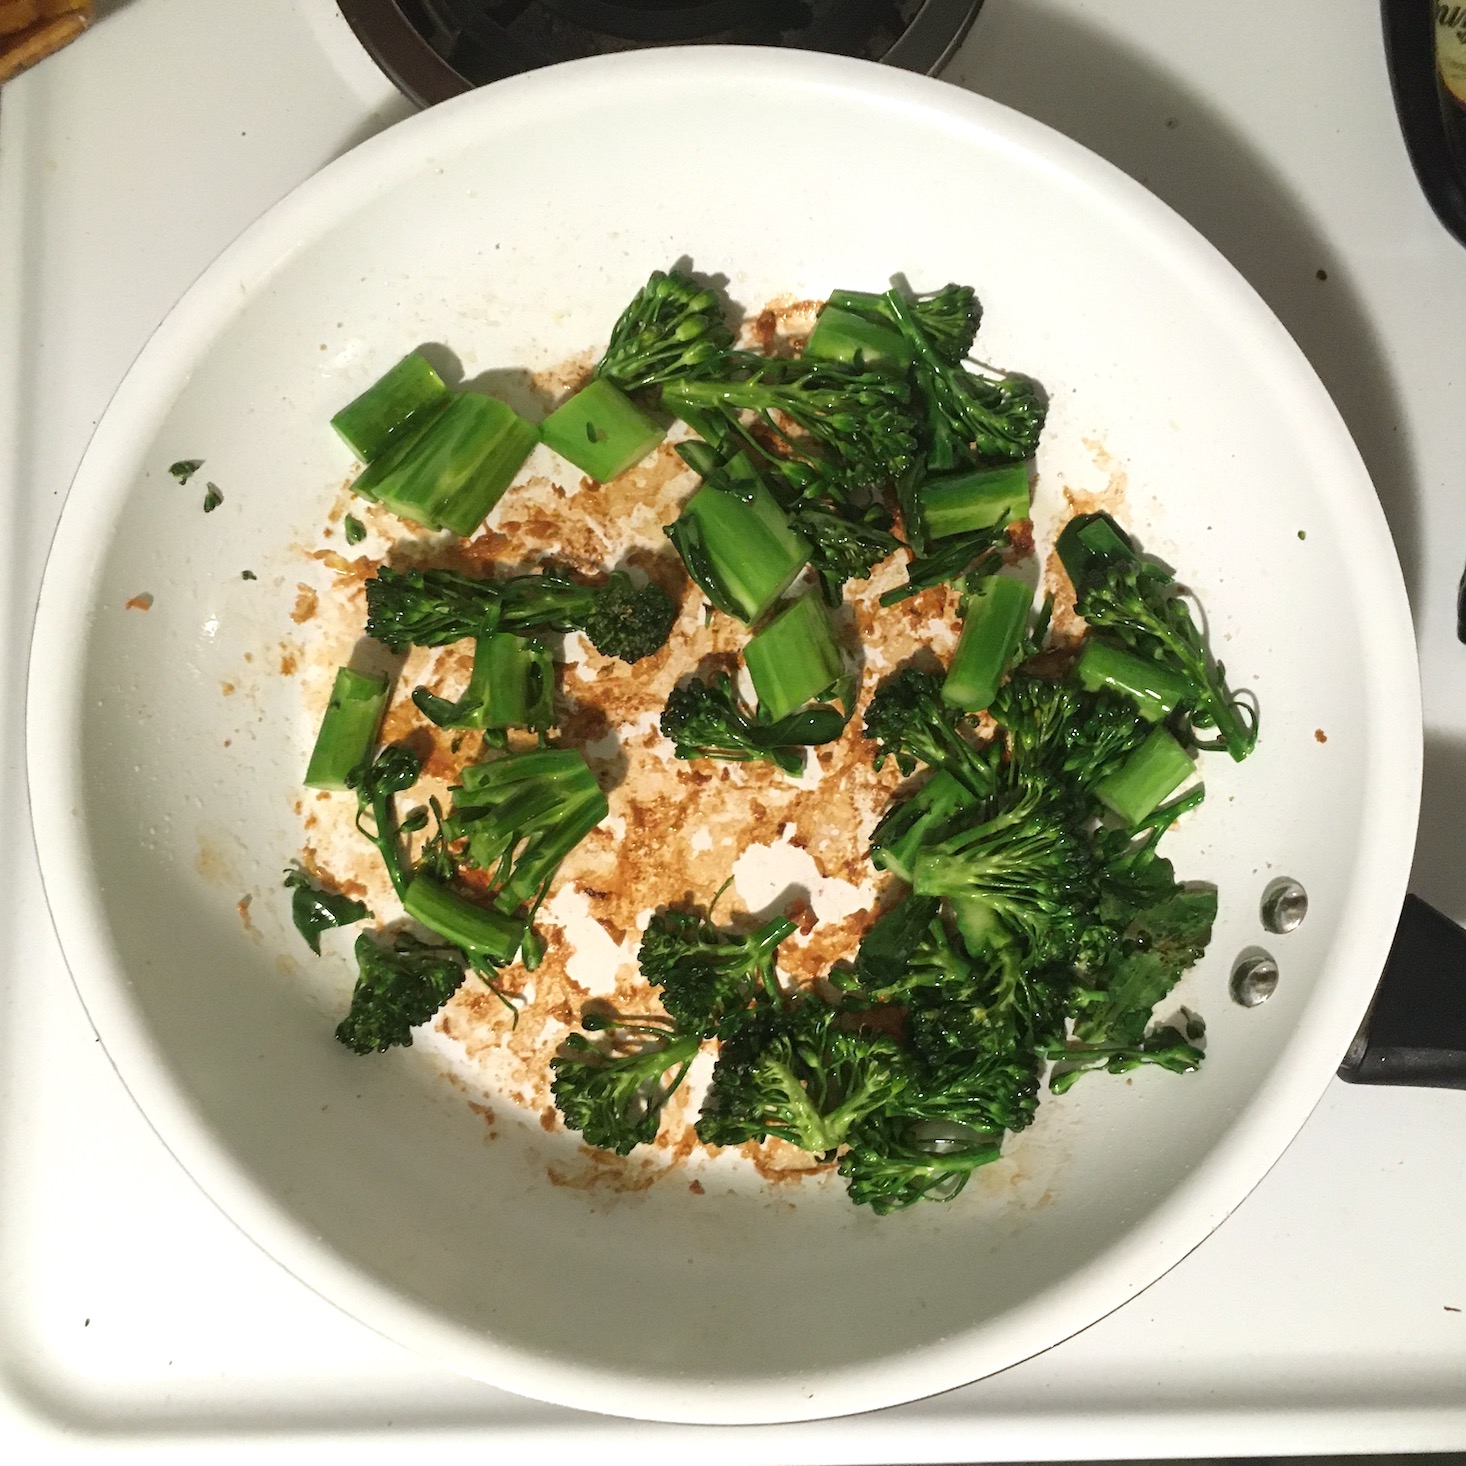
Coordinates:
852 431
213 497
478 930
980 498
315 909
435 607
795 660
458 469
398 455
1155 690
1138 602
512 685
354 529
397 988
707 719
348 729
992 632
909 721
614 1097
673 328
601 431
741 551
248 575
1089 542
915 821
711 980
1148 776
521 815
801 1076
887 1173
858 341
516 678
371 423
949 318
185 468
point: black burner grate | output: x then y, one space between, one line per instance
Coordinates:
434 49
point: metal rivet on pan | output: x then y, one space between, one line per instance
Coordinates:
1284 905
1254 980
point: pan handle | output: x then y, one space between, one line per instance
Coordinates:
1415 1030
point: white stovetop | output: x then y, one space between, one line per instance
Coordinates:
1322 1317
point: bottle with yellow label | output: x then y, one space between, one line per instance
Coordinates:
1450 67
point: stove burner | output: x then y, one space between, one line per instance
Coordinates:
435 49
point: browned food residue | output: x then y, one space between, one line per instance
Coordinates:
305 604
142 602
1320 736
676 828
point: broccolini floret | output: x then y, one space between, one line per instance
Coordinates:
909 721
711 978
673 329
613 1093
1138 601
397 988
801 1075
707 719
855 426
437 607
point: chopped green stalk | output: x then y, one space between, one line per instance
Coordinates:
451 476
370 423
740 550
601 431
1156 690
858 341
521 815
512 685
399 455
348 729
1149 775
478 930
1090 541
516 679
992 632
977 499
902 832
795 659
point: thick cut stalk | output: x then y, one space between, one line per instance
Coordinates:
1156 690
992 631
739 547
978 499
1150 774
795 659
478 930
453 473
857 340
369 424
348 729
601 431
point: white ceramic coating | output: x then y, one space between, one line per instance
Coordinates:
512 224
